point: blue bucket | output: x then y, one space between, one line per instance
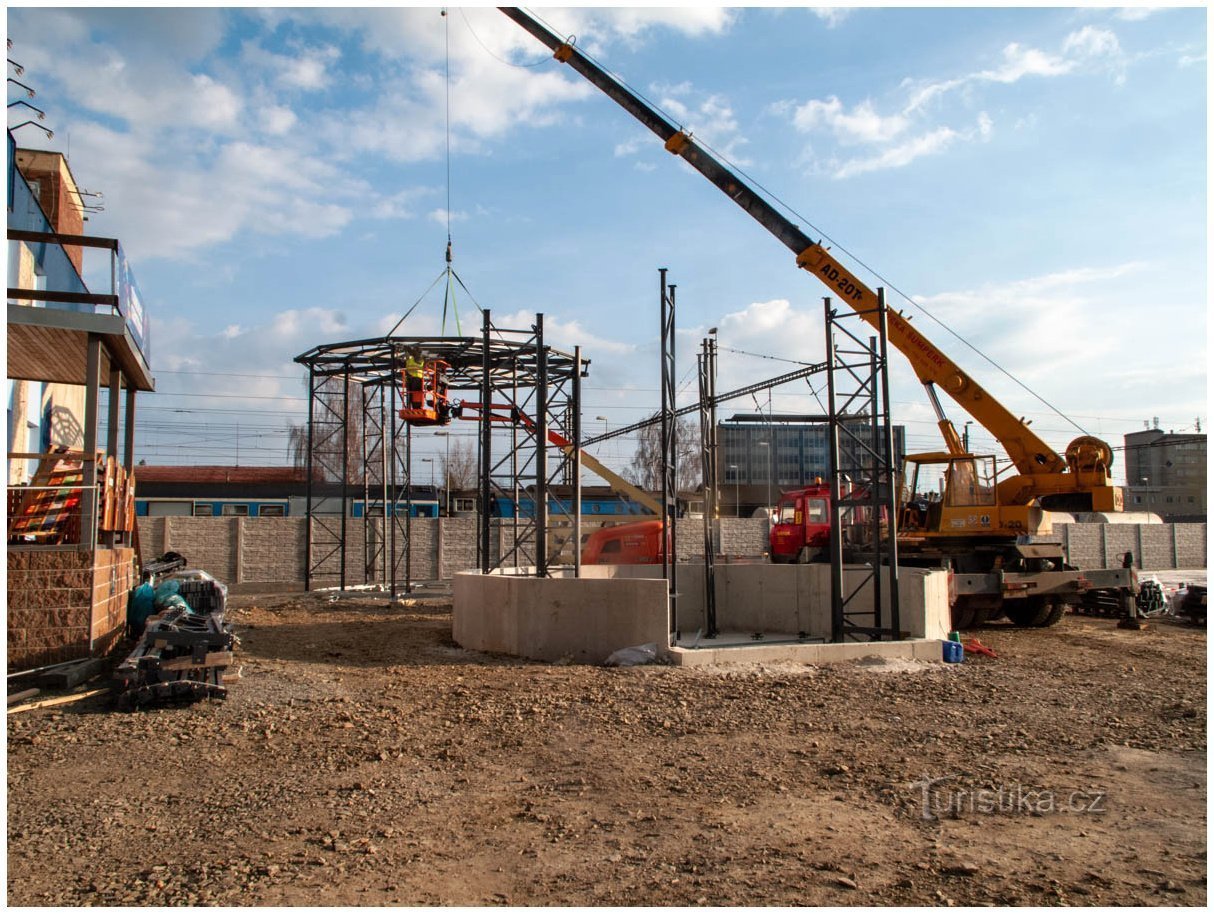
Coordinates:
954 652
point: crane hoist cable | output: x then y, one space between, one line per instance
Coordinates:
452 278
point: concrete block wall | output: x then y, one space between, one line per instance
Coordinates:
742 536
1156 547
259 552
458 545
271 549
210 543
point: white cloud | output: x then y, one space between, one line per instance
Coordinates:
1136 13
832 15
863 124
1030 325
629 147
1090 41
306 69
903 154
441 216
860 125
397 205
278 119
1019 62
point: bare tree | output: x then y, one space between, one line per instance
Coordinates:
459 465
646 468
328 413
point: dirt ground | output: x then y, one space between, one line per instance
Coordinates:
366 759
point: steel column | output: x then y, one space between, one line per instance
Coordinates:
836 490
128 448
576 393
308 482
670 491
486 443
345 469
92 382
541 451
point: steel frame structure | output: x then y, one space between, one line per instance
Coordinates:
669 446
356 444
862 475
707 362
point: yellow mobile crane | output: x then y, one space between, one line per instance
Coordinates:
981 526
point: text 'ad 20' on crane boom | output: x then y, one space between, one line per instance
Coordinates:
978 511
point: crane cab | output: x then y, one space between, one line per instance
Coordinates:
424 386
968 504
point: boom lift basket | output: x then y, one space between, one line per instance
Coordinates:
425 398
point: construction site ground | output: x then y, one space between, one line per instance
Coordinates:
366 759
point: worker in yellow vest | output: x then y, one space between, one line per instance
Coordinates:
415 368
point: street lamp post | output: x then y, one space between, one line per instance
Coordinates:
446 469
430 460
737 508
602 419
770 462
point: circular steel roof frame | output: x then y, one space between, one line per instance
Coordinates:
374 361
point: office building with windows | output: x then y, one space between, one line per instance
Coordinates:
1166 474
759 460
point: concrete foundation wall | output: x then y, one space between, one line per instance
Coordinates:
616 606
790 599
554 618
268 552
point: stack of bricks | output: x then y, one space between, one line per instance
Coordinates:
50 602
114 574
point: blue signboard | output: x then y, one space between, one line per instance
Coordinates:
130 306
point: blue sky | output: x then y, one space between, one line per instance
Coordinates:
1035 178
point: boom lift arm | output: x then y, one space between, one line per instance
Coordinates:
1043 472
613 479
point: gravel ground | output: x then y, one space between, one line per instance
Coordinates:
364 758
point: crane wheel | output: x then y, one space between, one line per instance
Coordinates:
1034 612
1054 616
963 616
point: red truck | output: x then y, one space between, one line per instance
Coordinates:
801 532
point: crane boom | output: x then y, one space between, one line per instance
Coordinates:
1031 455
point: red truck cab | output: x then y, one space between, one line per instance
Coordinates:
801 532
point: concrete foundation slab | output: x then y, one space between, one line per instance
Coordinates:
806 653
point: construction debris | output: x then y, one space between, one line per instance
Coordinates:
61 700
183 650
21 696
